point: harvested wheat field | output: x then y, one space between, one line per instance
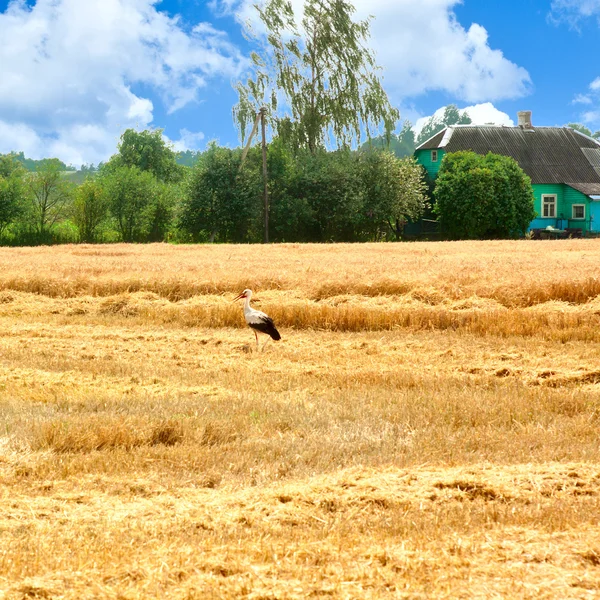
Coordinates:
428 427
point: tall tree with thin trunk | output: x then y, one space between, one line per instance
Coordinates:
320 72
90 209
50 194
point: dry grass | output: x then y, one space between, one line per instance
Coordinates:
427 427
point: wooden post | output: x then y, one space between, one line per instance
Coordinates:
263 111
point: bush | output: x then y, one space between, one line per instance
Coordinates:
482 197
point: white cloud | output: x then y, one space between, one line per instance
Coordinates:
573 11
591 100
422 47
591 118
487 113
480 114
188 140
69 70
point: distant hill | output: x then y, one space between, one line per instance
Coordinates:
32 165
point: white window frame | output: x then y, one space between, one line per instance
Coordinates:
434 156
573 217
553 204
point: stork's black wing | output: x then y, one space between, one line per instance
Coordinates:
265 325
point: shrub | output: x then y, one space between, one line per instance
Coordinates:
482 196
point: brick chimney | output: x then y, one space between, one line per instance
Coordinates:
524 117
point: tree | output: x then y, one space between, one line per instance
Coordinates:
132 198
50 193
291 215
148 151
188 158
402 145
482 196
325 73
166 197
395 192
330 183
90 209
406 141
451 116
221 203
581 128
12 190
33 165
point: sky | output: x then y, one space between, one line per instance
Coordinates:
74 74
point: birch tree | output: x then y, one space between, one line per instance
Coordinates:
317 77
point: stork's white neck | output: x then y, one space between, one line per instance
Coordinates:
247 302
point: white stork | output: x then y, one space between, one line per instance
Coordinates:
257 319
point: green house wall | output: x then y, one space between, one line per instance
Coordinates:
566 196
432 168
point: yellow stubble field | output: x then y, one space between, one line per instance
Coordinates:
428 427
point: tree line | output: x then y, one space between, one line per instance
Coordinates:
142 194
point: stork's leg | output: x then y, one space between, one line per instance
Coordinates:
256 336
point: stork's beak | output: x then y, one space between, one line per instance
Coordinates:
242 295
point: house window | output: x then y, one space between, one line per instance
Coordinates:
549 206
578 211
434 156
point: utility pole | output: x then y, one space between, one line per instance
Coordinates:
260 116
263 112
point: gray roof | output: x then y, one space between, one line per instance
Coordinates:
546 154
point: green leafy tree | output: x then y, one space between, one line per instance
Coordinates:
330 185
222 203
581 128
166 199
585 130
9 165
30 164
451 116
319 197
406 141
132 195
188 158
291 214
148 151
12 190
402 144
90 209
323 71
50 195
482 196
395 192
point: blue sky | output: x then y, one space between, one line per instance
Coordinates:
75 73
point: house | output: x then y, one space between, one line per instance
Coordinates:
563 164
